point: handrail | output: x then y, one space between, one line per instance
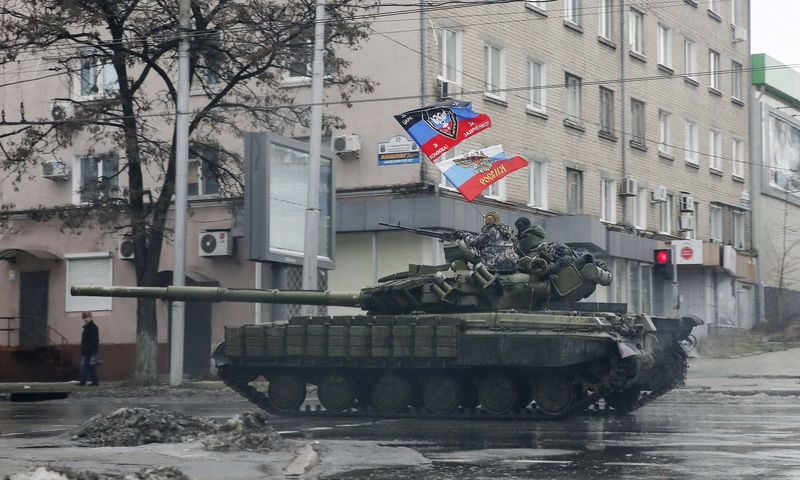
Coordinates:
46 329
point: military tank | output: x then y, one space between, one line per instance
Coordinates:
452 340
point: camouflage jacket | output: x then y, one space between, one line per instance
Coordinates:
495 244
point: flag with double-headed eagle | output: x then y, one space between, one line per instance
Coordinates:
473 172
439 127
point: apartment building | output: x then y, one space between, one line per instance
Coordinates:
633 116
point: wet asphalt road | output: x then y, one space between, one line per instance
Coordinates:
684 435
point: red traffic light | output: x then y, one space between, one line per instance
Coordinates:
663 256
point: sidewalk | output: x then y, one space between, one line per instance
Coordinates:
776 373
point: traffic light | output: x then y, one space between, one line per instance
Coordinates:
662 262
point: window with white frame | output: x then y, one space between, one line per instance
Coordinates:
637 122
495 75
298 64
713 5
574 191
608 201
210 59
664 41
640 203
736 12
538 4
666 216
736 80
497 190
715 223
95 76
690 59
737 155
691 142
713 70
203 173
604 21
572 10
606 111
693 233
738 229
634 284
450 53
443 181
573 84
537 81
95 177
88 269
664 132
637 31
715 149
537 184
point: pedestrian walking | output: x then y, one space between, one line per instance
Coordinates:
90 343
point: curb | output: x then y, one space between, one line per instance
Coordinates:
777 392
305 459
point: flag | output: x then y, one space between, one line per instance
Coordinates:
473 172
439 127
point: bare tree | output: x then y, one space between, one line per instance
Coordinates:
786 250
121 56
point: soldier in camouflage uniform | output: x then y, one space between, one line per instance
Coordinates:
495 245
529 237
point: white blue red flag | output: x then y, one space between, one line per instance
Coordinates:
473 172
439 127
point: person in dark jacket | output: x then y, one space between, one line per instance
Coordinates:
495 244
90 343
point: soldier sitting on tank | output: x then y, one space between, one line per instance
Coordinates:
529 237
495 244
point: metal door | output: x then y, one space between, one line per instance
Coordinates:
33 296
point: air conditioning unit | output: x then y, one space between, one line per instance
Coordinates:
61 110
660 194
448 89
628 187
347 146
739 34
686 222
687 203
55 170
125 248
218 243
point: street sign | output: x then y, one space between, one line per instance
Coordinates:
687 252
398 151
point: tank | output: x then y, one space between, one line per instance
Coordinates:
452 340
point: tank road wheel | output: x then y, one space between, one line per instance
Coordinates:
286 392
625 401
441 393
497 393
391 393
336 392
554 394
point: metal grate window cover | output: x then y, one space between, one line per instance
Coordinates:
294 281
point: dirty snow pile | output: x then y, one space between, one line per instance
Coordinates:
138 426
52 472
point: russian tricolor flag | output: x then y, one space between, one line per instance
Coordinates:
439 127
473 172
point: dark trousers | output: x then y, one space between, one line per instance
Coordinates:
88 370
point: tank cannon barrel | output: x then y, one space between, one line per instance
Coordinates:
218 294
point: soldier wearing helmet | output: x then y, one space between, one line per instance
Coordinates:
495 244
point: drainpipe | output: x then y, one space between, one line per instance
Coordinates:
623 50
423 72
757 144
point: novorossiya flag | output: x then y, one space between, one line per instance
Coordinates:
473 172
439 127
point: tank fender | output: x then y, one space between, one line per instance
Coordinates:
627 350
219 357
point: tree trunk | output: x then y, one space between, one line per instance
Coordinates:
146 342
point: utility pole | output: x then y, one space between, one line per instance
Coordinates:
181 168
311 247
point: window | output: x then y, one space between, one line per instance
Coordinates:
496 190
88 269
736 12
95 177
647 275
443 181
690 59
736 80
691 143
715 223
537 184
450 45
209 47
664 46
573 84
203 174
95 76
633 286
715 149
608 201
604 21
298 64
606 111
572 11
692 234
538 4
666 216
574 191
537 81
738 229
640 209
637 31
637 122
713 69
713 5
738 158
495 75
665 132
